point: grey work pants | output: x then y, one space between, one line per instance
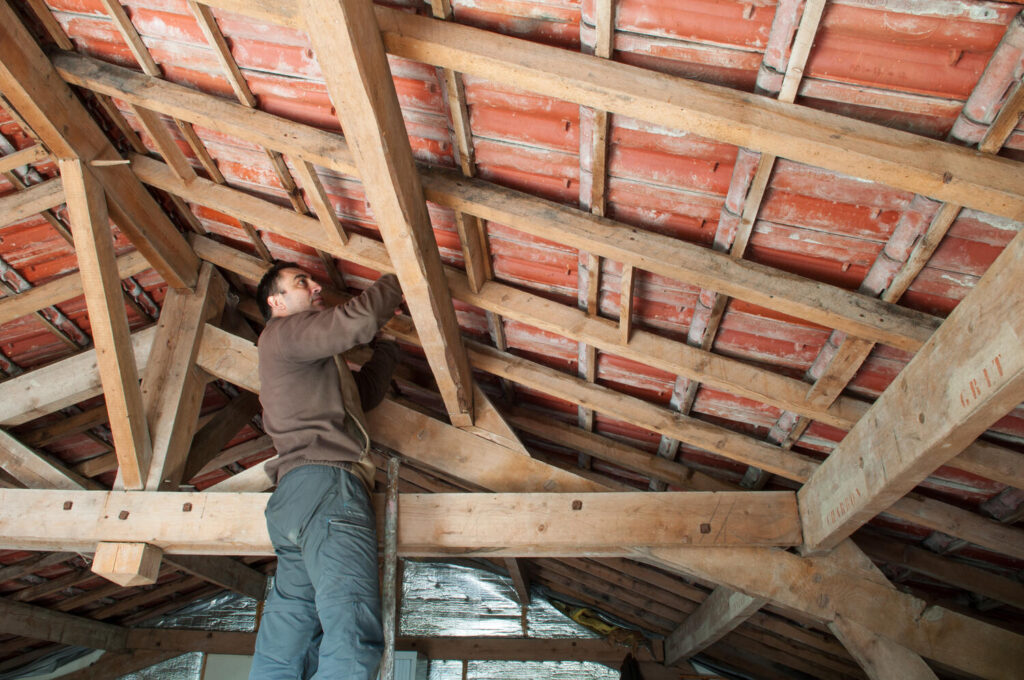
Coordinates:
322 527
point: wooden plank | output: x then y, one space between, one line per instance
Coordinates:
75 424
617 453
42 624
881 659
28 202
127 564
32 564
857 314
68 130
222 571
518 649
318 198
626 303
216 434
718 615
172 389
945 569
913 428
348 46
131 36
208 24
826 586
433 524
165 144
120 378
517 571
62 289
32 470
61 384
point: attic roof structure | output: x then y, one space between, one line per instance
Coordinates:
714 311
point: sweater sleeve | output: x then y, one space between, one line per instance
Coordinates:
373 378
310 336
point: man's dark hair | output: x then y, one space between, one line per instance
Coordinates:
268 285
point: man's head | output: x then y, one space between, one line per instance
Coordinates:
287 289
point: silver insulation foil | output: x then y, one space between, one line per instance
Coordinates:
438 600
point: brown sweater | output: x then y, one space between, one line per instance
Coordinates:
303 411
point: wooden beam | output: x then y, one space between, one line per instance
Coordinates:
826 586
215 435
617 453
127 564
945 569
172 388
881 658
118 373
61 384
222 571
22 157
519 649
433 524
62 289
154 125
42 624
321 203
32 470
17 206
719 614
914 427
68 130
859 315
114 665
347 42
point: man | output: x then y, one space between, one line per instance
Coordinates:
320 519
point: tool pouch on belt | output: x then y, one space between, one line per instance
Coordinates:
355 423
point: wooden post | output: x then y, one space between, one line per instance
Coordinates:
128 564
387 666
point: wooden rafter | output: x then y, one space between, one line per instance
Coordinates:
360 84
118 373
913 428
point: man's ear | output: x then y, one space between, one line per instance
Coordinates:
275 302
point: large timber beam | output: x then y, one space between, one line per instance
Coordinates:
719 614
347 41
118 373
881 658
54 113
69 381
430 525
968 375
37 198
827 586
827 305
873 152
62 289
30 621
172 387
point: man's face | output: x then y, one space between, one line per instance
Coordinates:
299 293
